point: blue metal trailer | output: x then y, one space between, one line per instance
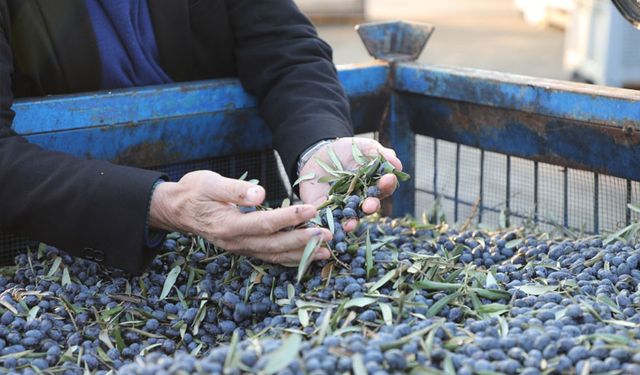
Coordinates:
574 147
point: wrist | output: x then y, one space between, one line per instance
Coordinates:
161 209
308 153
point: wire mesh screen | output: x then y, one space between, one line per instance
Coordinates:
468 185
264 166
11 245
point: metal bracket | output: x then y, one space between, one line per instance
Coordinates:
395 41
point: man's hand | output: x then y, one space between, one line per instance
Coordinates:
206 204
315 193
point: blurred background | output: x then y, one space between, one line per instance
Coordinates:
581 40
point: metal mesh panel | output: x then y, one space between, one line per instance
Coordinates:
580 201
521 200
550 195
264 166
486 188
11 245
468 183
634 196
612 198
493 169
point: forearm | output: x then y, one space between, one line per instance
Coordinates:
81 206
282 60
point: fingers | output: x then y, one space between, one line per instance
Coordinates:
321 253
280 242
387 185
370 205
223 189
390 155
267 222
283 247
292 258
372 148
350 225
318 202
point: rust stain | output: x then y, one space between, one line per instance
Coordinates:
554 140
146 154
471 118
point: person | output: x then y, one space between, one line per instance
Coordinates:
117 215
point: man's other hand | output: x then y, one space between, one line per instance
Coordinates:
315 193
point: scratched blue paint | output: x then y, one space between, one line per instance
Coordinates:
403 142
181 139
363 80
598 105
522 141
129 106
552 140
160 102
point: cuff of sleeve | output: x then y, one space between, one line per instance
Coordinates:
309 151
153 238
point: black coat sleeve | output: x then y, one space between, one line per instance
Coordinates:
89 208
282 61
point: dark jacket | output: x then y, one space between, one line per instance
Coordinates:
96 209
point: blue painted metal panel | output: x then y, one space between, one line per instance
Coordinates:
604 149
402 140
161 102
129 106
162 142
152 126
363 79
542 97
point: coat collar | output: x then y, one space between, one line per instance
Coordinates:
70 29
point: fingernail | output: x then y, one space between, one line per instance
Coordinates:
315 232
253 193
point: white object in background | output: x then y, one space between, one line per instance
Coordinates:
533 11
545 12
326 8
601 46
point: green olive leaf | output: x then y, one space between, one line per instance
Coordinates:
327 168
169 282
438 306
358 365
359 302
387 314
383 280
280 358
537 290
357 154
330 222
312 245
334 158
306 177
